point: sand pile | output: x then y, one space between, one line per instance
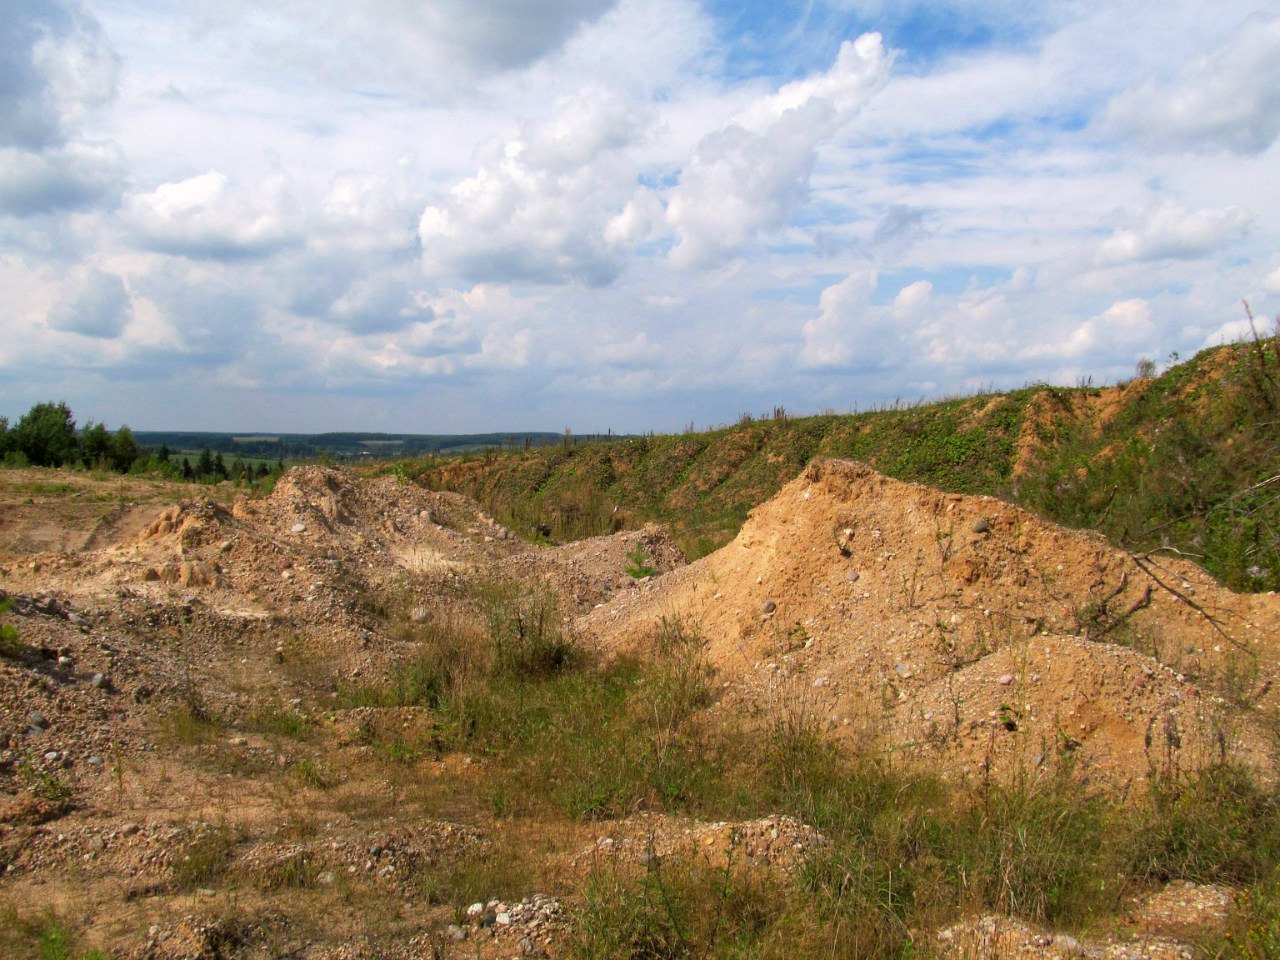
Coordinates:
968 630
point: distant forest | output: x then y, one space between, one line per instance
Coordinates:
341 446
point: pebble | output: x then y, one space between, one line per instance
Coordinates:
100 681
475 910
853 576
769 606
53 756
458 933
38 721
94 761
299 528
982 525
1007 679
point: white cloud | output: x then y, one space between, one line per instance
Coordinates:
98 306
69 177
912 298
840 336
207 217
1166 230
539 209
55 66
748 178
438 47
1226 98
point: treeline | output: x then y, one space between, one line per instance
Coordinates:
47 436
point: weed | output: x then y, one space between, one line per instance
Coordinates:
639 563
46 784
1219 827
205 858
11 645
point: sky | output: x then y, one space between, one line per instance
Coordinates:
440 216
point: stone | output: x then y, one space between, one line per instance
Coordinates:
475 909
38 721
100 681
457 933
853 576
299 528
982 525
769 606
1007 679
94 761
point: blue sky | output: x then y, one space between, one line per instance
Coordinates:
457 215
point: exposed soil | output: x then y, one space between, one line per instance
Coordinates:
177 774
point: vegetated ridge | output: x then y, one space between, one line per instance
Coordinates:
1185 460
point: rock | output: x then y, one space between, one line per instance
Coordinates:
150 575
100 681
224 546
853 576
325 878
94 761
78 619
299 528
456 932
502 919
64 661
38 721
53 756
488 920
475 909
769 606
1007 679
981 525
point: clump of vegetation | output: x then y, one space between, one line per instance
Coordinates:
43 936
11 644
639 563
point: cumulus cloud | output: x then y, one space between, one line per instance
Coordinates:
381 304
1123 325
55 64
749 177
55 67
1227 98
206 217
539 208
99 307
435 45
848 331
1169 231
69 177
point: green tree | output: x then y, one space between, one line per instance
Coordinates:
95 445
4 436
219 466
187 472
204 466
124 450
46 435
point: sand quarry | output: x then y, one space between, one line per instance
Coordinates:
952 631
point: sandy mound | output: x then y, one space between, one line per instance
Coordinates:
589 572
968 629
